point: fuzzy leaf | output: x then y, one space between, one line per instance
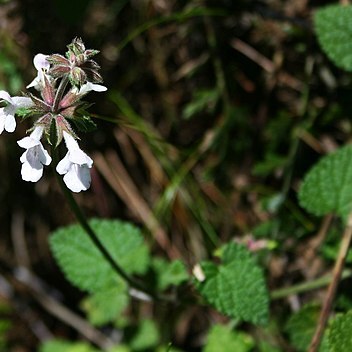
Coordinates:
339 333
106 305
333 26
301 326
222 338
327 188
237 287
85 266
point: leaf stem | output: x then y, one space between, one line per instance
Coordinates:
93 236
336 277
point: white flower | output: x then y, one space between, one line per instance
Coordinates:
87 87
42 66
7 114
34 157
75 166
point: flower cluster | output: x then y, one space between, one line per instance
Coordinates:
62 82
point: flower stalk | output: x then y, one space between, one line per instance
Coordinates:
92 235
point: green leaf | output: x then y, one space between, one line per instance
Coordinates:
83 123
339 333
269 164
222 338
65 346
85 266
237 287
105 306
333 26
327 188
168 274
203 100
301 326
146 337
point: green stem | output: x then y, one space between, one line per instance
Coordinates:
92 235
307 286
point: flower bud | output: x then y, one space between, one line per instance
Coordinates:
77 76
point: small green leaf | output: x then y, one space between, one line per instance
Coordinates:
168 274
333 26
269 164
105 306
222 338
203 100
146 337
237 287
83 123
65 346
327 188
85 266
339 333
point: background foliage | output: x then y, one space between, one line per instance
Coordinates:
215 112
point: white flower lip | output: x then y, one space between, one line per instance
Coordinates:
7 114
75 166
41 65
88 87
35 156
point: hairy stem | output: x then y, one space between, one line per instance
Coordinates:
336 276
92 235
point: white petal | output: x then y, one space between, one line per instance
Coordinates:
77 179
37 133
2 122
63 166
84 176
31 174
91 86
10 123
6 96
35 83
77 156
34 156
40 62
27 142
22 102
45 158
70 142
23 157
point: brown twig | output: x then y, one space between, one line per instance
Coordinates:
339 264
112 169
60 311
266 64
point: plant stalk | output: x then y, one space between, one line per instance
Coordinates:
307 286
93 236
336 277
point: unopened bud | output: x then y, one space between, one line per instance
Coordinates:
77 76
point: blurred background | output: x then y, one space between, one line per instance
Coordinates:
214 111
